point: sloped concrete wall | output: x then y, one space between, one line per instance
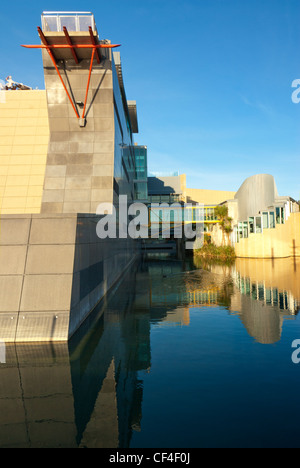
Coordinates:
36 277
256 194
53 271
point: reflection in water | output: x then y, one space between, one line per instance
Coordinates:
269 294
89 393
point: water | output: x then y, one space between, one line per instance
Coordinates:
180 355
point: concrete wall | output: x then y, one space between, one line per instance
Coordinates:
80 162
53 271
281 242
208 197
24 137
256 194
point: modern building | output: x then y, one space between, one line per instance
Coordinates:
168 188
172 189
264 224
64 151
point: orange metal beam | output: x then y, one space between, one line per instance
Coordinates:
70 43
41 34
73 46
88 83
98 56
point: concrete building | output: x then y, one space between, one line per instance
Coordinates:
167 188
63 151
265 225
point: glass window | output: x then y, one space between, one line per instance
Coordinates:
277 215
258 223
282 215
272 219
69 22
140 189
265 218
251 225
240 230
85 22
245 229
50 23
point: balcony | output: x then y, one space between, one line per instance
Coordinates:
54 21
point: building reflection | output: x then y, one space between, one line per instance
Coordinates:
36 397
89 392
268 292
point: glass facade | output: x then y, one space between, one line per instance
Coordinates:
140 173
124 161
140 156
140 190
209 214
74 22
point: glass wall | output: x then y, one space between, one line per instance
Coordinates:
74 22
140 173
124 164
280 216
209 213
251 226
140 156
258 225
140 190
265 218
272 219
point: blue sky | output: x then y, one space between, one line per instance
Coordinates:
212 80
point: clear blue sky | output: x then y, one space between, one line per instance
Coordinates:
212 80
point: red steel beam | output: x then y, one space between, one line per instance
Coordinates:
98 56
73 46
88 83
70 43
43 39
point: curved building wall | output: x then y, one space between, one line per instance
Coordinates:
256 194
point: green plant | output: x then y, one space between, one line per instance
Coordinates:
221 211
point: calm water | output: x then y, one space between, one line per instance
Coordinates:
181 355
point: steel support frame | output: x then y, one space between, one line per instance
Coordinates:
73 47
